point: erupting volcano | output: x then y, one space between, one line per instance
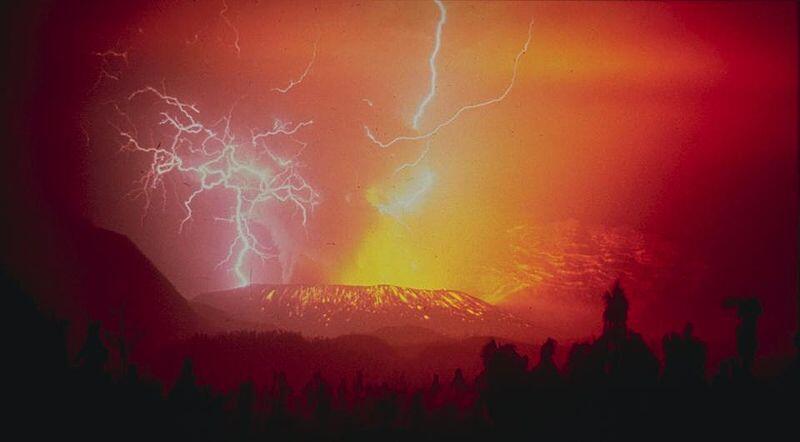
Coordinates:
430 220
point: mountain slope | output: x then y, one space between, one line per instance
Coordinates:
331 310
83 273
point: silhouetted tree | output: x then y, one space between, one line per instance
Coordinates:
358 385
416 412
583 367
459 384
386 407
506 386
342 401
319 399
94 354
748 310
615 315
436 385
626 358
245 401
185 389
545 373
280 394
684 359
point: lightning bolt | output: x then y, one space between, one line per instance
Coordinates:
459 112
432 63
293 83
212 155
409 196
110 67
411 183
416 162
230 25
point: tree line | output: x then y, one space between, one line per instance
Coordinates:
611 388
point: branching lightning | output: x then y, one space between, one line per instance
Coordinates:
411 182
460 111
416 162
409 196
432 63
250 168
420 180
223 15
293 83
213 156
110 67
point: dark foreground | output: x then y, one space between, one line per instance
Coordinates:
612 388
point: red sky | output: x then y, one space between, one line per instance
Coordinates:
654 142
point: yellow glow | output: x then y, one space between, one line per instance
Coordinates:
390 254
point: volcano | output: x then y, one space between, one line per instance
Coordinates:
333 310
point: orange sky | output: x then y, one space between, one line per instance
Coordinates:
654 130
